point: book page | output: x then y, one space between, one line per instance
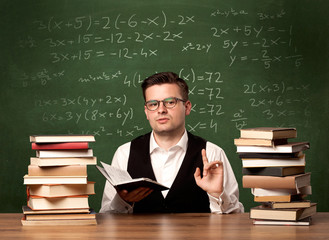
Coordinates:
117 175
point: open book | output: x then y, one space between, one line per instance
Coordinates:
121 179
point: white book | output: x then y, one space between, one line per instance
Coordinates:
263 162
305 222
30 180
285 148
61 138
307 190
47 162
64 153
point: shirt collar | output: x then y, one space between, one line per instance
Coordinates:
182 143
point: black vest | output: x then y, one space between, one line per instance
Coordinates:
184 195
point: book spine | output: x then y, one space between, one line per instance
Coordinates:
59 146
263 171
64 153
250 181
73 170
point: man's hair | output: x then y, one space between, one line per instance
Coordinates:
166 77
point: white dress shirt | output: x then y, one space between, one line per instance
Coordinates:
165 166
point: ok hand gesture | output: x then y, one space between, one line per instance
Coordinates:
212 176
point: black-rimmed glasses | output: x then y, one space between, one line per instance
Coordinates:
170 102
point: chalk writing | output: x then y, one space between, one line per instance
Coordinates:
279 100
82 101
113 132
239 119
203 126
117 22
89 115
228 13
107 54
42 77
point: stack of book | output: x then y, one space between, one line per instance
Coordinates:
274 170
57 185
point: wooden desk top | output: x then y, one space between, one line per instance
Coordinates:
166 226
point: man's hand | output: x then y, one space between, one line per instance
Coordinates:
213 175
134 195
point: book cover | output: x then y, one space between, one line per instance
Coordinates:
61 190
307 190
268 162
274 171
59 146
72 170
61 138
291 147
30 180
70 202
66 222
295 155
303 222
64 153
259 142
29 211
46 162
291 182
122 180
62 216
268 133
292 204
291 214
283 198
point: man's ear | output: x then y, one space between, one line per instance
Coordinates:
146 113
188 107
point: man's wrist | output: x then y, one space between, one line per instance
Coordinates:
216 195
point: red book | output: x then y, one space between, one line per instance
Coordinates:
57 146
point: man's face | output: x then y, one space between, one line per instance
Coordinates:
164 120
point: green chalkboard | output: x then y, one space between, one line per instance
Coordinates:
76 67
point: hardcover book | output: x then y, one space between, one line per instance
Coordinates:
61 138
307 190
70 202
292 204
303 222
268 133
268 162
61 190
274 171
64 153
58 146
59 222
63 216
281 198
259 142
290 182
291 214
28 211
291 147
295 155
46 162
30 180
74 170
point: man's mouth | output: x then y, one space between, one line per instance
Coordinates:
162 120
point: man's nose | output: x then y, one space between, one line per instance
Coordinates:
162 108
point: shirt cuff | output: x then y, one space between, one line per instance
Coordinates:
120 206
219 205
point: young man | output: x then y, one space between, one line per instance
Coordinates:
173 157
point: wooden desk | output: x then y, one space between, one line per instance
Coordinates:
166 226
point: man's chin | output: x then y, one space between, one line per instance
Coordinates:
163 131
